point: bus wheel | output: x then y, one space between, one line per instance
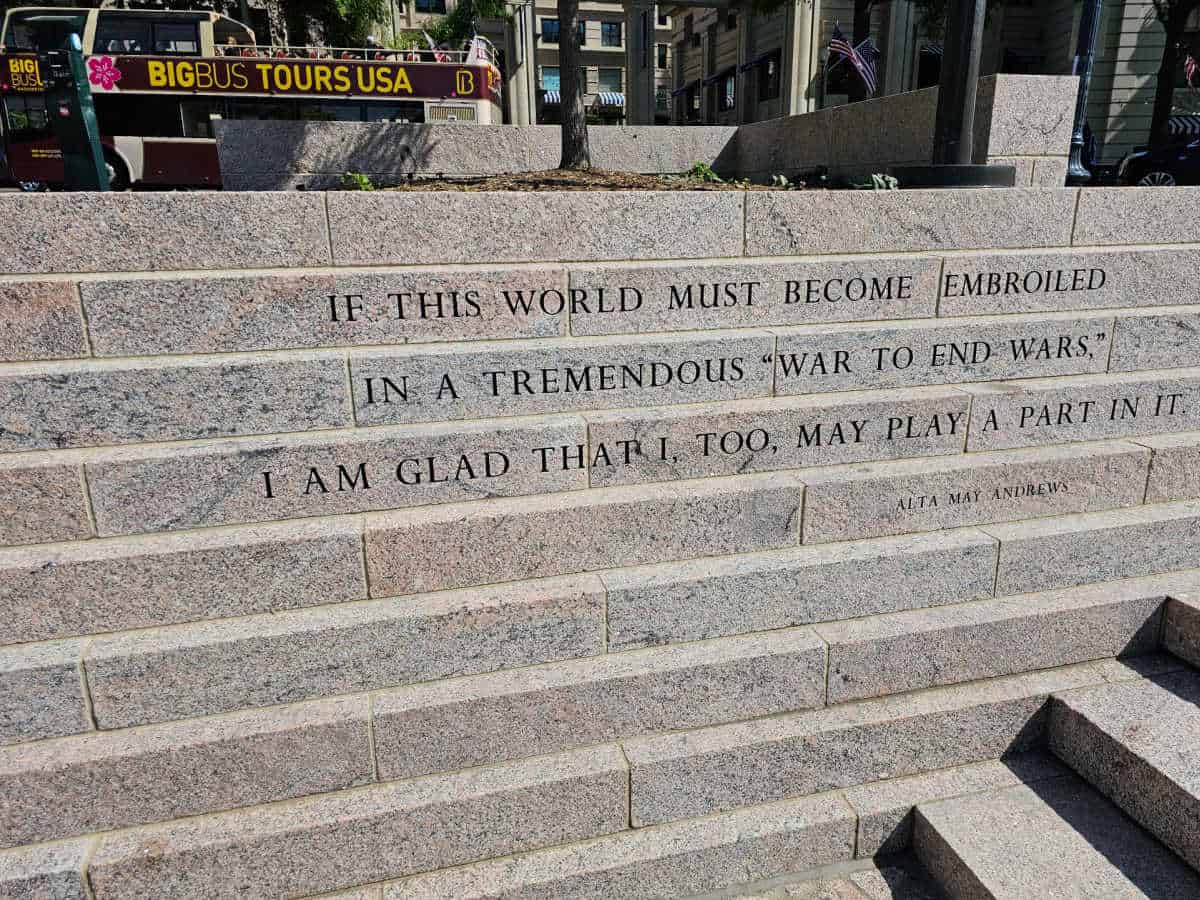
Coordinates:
118 173
33 187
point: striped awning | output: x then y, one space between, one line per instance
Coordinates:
552 97
680 91
1184 126
933 50
610 98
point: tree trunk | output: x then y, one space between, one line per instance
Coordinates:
576 154
276 23
862 31
1164 90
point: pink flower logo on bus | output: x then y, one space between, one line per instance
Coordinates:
103 73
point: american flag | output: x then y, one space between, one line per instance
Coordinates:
1189 70
864 57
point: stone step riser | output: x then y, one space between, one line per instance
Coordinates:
338 840
1181 626
1136 744
80 588
106 780
724 767
166 771
221 313
196 670
674 859
140 490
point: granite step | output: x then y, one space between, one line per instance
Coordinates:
792 848
678 859
343 839
896 878
1138 743
70 786
904 651
1055 838
1067 551
696 773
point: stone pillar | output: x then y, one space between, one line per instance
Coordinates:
742 79
898 50
801 55
515 88
639 62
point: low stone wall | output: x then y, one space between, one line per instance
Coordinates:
354 538
1022 120
314 155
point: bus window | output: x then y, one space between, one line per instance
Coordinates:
139 34
138 114
197 117
123 34
262 109
395 112
176 38
27 119
20 35
332 111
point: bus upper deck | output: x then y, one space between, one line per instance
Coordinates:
159 80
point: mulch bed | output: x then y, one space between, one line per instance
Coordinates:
557 180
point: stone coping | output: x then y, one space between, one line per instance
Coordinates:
179 231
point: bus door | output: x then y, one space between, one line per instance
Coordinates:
30 148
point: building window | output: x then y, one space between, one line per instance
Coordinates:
664 21
768 78
549 31
662 56
610 80
550 79
583 78
731 22
727 98
430 6
610 34
581 30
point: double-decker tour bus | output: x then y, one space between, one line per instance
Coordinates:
159 79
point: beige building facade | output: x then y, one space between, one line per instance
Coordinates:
732 66
608 33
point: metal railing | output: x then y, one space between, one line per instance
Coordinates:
478 56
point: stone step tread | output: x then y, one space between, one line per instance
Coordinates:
897 878
1056 838
1138 742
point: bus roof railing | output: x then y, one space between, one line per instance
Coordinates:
478 54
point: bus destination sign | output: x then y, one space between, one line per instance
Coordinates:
272 76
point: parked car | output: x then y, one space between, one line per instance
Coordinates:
1177 163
